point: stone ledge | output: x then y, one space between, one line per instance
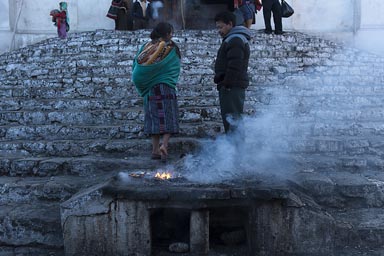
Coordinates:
130 202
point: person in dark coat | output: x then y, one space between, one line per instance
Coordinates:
142 14
231 68
121 13
273 6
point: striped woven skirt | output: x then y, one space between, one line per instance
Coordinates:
161 111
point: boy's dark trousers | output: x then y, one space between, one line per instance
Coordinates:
273 6
231 105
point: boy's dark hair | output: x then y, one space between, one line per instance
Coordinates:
161 30
226 17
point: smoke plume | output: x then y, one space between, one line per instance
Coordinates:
258 148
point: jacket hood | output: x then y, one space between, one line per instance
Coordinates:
239 30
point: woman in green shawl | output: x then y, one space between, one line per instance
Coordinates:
61 20
156 70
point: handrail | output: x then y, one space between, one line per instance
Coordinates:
12 45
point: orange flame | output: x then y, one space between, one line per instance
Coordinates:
163 175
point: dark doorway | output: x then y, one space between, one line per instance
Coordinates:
169 225
228 230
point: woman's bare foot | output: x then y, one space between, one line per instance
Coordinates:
155 156
163 153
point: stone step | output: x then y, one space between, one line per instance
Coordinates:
340 189
132 116
123 96
81 166
49 157
357 251
101 157
194 126
31 224
30 251
360 229
58 188
355 201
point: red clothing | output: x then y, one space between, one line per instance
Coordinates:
257 3
60 18
237 3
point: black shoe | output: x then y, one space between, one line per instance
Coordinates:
268 32
279 32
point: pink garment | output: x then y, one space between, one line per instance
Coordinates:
62 30
61 24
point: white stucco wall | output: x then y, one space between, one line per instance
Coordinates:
84 15
35 23
4 15
4 25
372 15
335 15
370 36
358 22
91 18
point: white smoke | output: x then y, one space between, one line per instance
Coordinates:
124 177
156 5
257 149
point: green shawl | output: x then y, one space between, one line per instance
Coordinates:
167 71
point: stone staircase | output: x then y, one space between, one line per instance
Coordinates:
70 118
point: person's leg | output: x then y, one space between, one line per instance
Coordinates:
277 17
248 23
248 12
155 146
130 21
168 115
116 24
267 7
137 23
151 126
164 145
62 30
231 106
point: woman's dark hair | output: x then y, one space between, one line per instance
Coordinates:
161 30
226 17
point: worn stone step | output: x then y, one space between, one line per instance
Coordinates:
43 157
340 189
18 190
93 118
33 224
82 166
360 228
194 126
30 251
108 158
77 148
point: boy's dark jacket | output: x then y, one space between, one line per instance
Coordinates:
137 11
231 64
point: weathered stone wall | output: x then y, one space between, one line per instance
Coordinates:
115 218
74 98
70 117
24 22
